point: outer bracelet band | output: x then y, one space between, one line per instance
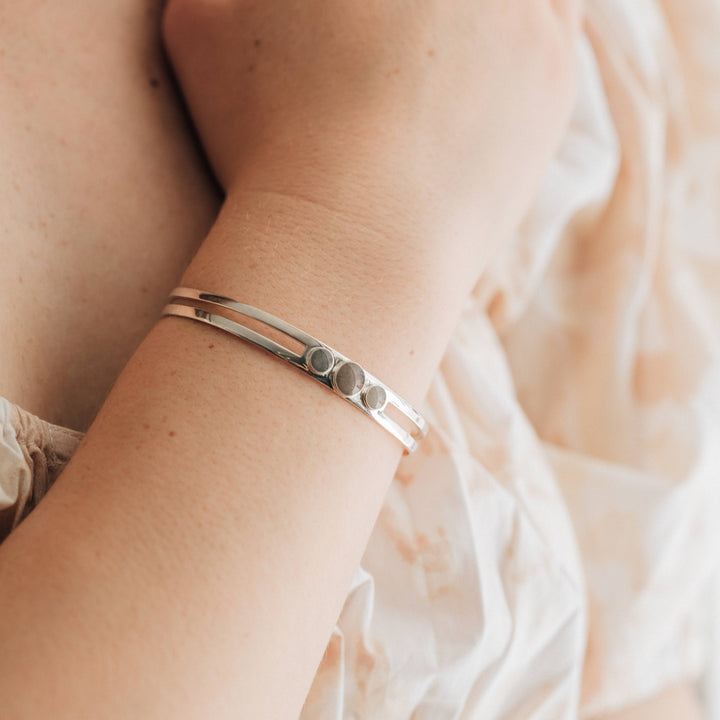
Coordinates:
325 364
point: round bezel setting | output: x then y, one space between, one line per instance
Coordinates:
320 360
348 378
374 397
316 359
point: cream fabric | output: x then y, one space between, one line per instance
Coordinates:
33 453
547 552
577 411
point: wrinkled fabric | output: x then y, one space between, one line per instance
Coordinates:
547 552
33 453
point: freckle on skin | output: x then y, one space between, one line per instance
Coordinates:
146 426
171 433
250 68
154 82
211 345
431 53
257 42
412 352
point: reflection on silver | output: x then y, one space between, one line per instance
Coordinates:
343 376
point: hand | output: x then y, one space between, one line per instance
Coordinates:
433 117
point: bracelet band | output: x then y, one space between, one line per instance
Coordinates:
326 365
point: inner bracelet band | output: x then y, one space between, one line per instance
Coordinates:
325 364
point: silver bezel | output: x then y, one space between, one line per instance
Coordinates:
314 349
366 389
188 309
336 369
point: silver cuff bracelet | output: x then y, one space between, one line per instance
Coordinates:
326 365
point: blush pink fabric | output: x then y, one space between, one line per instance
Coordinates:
33 453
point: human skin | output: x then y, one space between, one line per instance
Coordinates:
127 508
104 197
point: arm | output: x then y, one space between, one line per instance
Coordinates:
200 543
192 558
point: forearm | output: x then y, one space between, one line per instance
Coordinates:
193 556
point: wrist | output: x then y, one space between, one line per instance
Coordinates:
392 201
376 296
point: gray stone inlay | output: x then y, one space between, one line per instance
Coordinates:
349 378
320 360
375 397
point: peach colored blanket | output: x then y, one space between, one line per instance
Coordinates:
547 554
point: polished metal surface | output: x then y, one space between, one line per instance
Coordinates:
343 376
